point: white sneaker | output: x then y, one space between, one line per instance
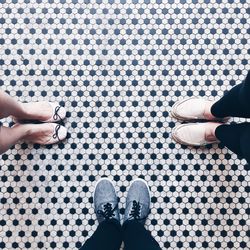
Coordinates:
195 134
191 108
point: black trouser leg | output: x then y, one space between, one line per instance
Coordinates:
136 237
108 236
235 103
236 137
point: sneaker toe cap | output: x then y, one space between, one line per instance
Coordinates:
104 193
139 191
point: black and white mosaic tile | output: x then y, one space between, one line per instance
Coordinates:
118 66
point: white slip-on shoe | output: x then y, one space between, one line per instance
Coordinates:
44 133
60 133
36 110
192 108
193 134
59 112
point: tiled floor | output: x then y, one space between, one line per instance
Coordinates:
118 67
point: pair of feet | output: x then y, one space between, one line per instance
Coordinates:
137 202
47 131
195 134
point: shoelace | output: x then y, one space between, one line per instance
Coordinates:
136 209
108 212
55 135
56 115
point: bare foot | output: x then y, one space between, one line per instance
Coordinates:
35 111
210 131
44 134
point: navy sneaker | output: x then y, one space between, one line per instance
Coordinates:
106 201
138 201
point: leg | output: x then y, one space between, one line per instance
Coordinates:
236 137
235 103
46 133
10 136
9 106
135 236
108 235
42 111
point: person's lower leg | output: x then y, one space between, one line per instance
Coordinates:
10 136
44 134
106 237
23 111
136 237
230 136
234 103
9 106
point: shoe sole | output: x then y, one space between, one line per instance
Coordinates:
189 119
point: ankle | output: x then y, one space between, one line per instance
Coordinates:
210 131
23 111
207 112
23 130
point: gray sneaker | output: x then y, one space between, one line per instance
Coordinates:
138 201
106 201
